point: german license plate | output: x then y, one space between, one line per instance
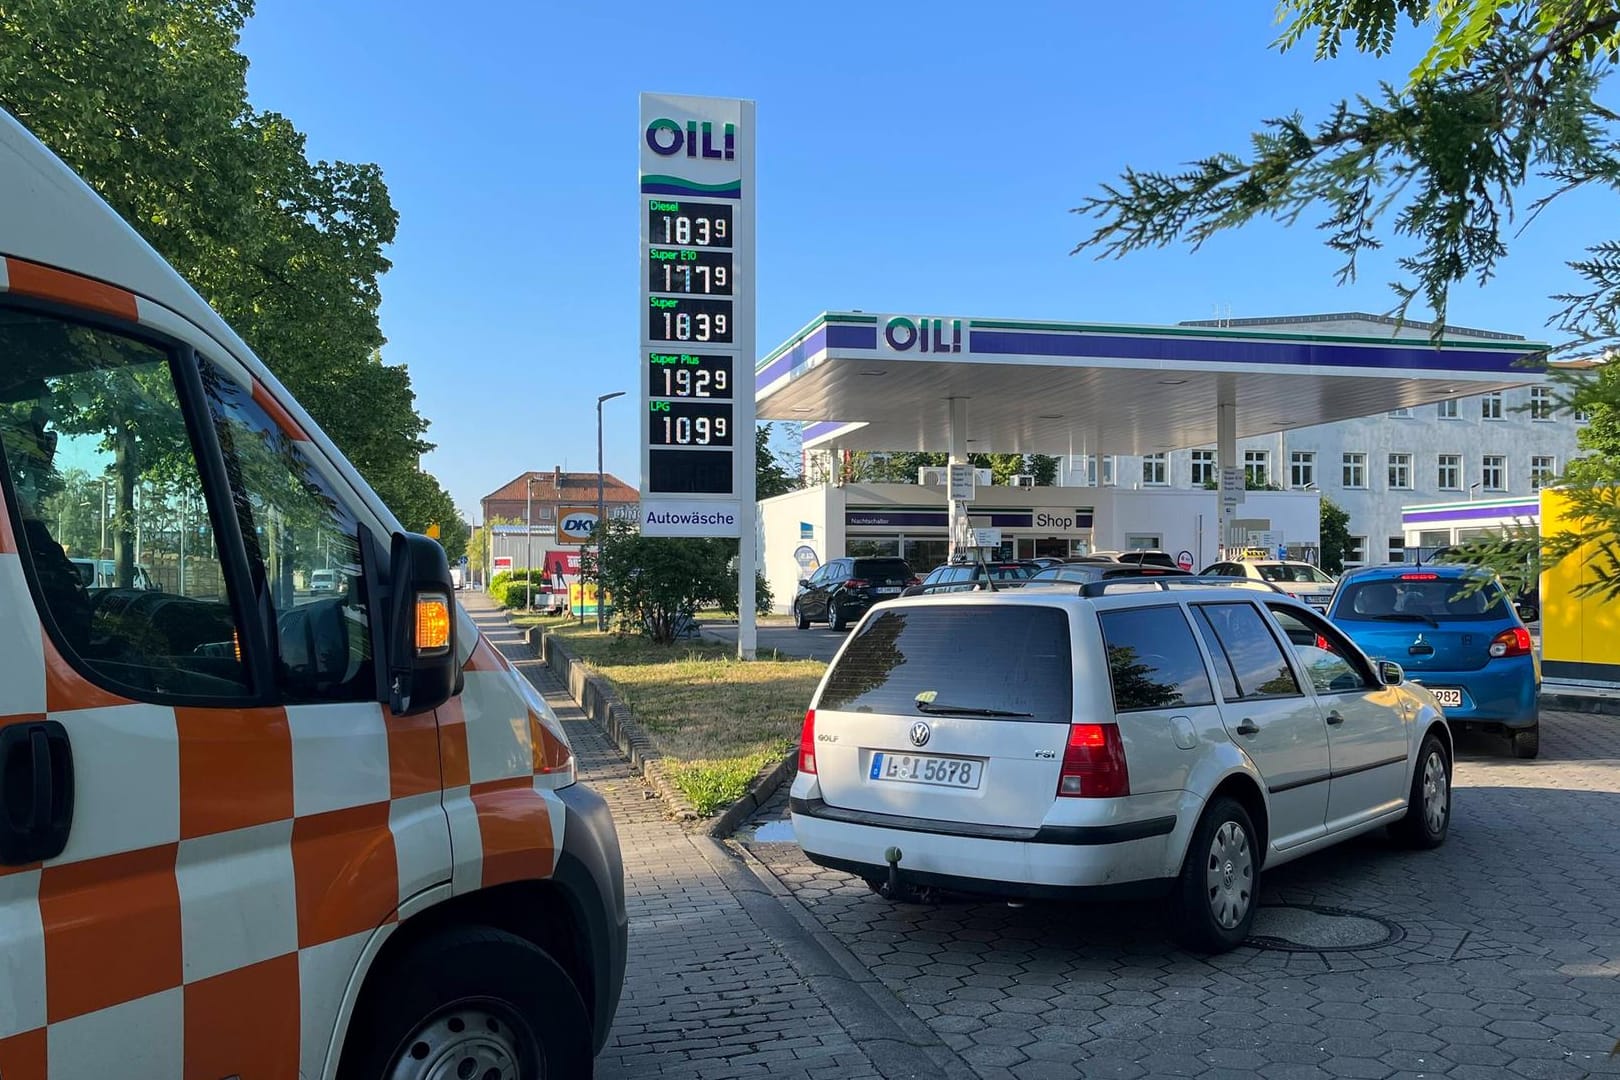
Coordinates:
887 590
1449 697
927 769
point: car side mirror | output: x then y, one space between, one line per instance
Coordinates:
422 668
1391 673
804 583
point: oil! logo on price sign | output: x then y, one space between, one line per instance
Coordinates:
576 524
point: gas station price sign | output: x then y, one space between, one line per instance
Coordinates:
697 317
689 375
690 270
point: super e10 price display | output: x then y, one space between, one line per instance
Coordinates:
689 270
690 423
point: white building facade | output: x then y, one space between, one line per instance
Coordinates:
1487 447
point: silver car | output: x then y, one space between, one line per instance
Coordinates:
1117 738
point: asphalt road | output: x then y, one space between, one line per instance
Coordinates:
816 643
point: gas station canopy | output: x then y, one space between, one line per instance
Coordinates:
885 382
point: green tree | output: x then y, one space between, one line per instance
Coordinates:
1505 99
653 581
1043 467
147 100
770 478
1334 531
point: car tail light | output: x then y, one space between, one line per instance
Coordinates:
915 580
1322 643
1420 577
1514 642
1094 764
807 744
856 583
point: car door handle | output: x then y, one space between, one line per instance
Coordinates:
1335 717
1247 727
36 791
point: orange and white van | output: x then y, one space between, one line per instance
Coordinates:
249 828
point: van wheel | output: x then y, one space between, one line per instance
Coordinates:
474 1002
1428 806
801 620
1527 743
1219 886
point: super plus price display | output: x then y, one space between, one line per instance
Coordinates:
697 306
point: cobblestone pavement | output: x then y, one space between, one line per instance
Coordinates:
709 992
1506 962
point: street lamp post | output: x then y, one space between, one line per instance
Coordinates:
601 509
528 544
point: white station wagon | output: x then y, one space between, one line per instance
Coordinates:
1166 736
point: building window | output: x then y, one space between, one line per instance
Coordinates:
1355 470
1543 467
1302 468
1490 406
1355 552
1091 470
1541 403
1490 474
1397 549
1400 471
1257 467
1581 416
1203 468
1400 414
1449 475
1155 469
1108 470
1447 410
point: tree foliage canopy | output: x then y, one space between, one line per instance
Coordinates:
147 101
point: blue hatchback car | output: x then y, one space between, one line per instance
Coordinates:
1457 635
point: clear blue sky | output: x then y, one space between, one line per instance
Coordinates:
913 158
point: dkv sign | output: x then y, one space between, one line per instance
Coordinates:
576 524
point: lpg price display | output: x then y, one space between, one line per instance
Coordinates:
694 224
690 319
688 375
690 423
689 270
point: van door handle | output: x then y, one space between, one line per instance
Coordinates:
36 791
1247 727
1335 717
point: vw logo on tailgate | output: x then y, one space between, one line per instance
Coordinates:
920 734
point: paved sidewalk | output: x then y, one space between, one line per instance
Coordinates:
710 992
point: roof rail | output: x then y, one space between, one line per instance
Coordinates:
1169 582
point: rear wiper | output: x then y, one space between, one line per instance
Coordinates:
933 709
1409 616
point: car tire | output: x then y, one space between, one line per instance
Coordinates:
835 618
1428 803
1527 743
489 998
1219 887
801 620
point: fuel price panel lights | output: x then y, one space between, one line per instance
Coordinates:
691 281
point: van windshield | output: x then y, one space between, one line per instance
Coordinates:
1008 659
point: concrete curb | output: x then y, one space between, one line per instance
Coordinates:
897 1042
760 791
598 702
1603 704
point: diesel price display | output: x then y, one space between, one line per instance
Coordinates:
689 224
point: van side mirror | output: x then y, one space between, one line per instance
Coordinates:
1391 673
422 668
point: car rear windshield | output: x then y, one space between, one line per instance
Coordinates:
1293 572
1421 597
1011 572
883 571
938 659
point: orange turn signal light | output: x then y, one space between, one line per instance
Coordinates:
432 623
